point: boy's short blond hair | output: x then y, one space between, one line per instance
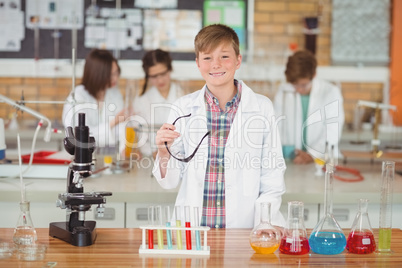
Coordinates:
211 36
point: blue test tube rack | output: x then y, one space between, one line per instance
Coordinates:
205 250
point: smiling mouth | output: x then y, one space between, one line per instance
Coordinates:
217 74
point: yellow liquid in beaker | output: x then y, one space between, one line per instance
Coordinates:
262 248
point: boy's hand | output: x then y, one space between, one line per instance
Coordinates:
167 134
301 157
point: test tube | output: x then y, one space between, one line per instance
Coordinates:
159 232
151 222
178 224
168 232
187 217
197 232
384 240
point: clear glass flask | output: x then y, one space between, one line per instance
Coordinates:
327 236
384 238
264 238
24 233
361 237
295 241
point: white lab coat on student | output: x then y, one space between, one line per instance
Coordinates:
254 165
97 118
324 121
153 109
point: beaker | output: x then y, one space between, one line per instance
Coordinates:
264 238
24 233
361 236
384 238
327 236
294 241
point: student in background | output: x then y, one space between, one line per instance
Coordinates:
98 97
312 109
238 164
156 96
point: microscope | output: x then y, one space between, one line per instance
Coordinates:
76 231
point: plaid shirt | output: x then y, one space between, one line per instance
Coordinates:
219 122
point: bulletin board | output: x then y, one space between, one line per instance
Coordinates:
135 28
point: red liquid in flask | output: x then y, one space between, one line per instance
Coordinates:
289 246
360 243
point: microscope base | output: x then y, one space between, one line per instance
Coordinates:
81 236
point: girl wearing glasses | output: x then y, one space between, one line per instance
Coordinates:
313 110
157 94
98 97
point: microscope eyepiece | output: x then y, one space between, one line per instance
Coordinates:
81 119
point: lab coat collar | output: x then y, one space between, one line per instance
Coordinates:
247 103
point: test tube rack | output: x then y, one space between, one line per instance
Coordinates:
205 250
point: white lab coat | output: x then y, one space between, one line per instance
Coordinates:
153 109
254 165
325 117
97 119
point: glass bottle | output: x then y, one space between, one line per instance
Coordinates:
294 241
24 233
327 236
264 238
385 231
361 237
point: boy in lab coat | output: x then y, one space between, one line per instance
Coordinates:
311 109
239 164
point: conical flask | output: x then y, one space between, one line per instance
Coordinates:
327 236
361 236
24 232
294 241
264 238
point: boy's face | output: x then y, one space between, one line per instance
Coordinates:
218 67
303 86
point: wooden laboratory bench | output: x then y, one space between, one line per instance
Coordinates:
229 248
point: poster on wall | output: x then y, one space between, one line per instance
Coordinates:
230 13
12 30
114 29
155 3
55 14
172 30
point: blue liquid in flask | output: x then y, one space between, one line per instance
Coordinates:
327 243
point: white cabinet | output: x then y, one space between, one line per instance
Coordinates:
43 213
137 213
345 214
310 214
